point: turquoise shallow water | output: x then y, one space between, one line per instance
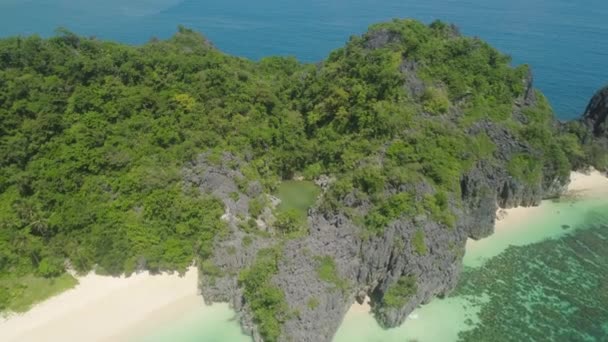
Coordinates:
546 277
555 290
537 280
565 41
216 323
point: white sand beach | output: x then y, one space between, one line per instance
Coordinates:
102 308
589 185
511 222
361 308
593 184
512 225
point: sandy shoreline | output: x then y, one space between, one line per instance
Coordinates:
361 308
511 222
103 308
589 185
582 185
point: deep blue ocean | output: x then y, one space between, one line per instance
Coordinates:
565 41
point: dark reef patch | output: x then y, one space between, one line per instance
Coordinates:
555 290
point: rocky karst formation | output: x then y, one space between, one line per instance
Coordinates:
596 114
370 265
123 158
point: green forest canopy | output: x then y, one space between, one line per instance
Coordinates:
94 135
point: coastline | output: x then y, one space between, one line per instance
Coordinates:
102 308
519 226
513 223
583 186
591 185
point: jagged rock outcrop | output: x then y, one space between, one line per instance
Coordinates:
421 133
593 130
368 265
596 114
220 179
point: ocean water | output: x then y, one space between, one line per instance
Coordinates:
532 280
565 41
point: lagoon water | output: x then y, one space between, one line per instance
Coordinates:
565 41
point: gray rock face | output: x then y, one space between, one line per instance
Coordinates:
388 258
232 253
381 38
338 239
367 265
489 185
528 98
596 114
413 83
595 121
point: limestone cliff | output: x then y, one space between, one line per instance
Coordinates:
370 265
414 134
596 114
373 264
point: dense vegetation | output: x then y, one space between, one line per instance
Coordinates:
94 136
267 301
328 272
398 294
418 243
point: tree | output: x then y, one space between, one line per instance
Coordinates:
288 221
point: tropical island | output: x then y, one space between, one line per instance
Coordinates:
296 189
